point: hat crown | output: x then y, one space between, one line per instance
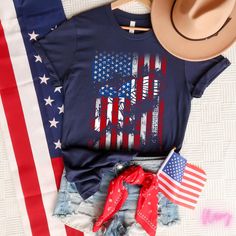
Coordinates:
198 19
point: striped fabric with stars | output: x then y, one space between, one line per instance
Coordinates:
31 114
50 102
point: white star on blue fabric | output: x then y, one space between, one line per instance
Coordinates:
61 109
33 36
175 167
58 89
53 123
58 144
38 58
48 101
43 79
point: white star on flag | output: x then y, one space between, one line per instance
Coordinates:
33 36
61 109
53 123
58 89
38 58
48 101
57 144
43 79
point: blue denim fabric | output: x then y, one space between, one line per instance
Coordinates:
80 214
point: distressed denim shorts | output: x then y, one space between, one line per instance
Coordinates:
81 214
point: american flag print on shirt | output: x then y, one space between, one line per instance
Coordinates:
128 98
180 181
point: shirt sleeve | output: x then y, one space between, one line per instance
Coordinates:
200 75
57 50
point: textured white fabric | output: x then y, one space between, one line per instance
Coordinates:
72 7
210 142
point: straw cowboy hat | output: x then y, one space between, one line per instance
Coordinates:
194 30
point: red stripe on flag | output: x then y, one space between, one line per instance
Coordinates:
191 186
58 166
194 174
163 66
150 95
161 106
73 232
196 168
175 201
139 92
193 181
21 144
177 194
103 122
160 122
127 106
178 187
114 119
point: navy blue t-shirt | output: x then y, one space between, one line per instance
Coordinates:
124 94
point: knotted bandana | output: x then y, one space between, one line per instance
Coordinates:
146 213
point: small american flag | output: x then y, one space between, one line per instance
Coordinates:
180 181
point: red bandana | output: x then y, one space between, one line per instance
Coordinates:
146 213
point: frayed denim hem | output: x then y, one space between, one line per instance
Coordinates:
81 214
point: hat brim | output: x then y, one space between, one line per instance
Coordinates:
183 48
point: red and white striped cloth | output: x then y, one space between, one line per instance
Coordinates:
35 173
